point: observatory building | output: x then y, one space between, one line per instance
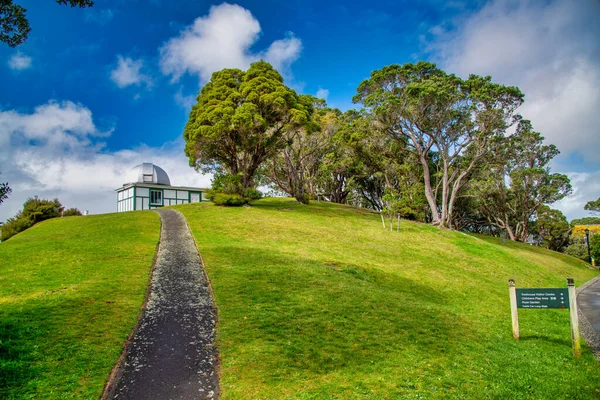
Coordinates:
148 186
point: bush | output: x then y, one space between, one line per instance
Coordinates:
252 194
224 199
34 210
71 212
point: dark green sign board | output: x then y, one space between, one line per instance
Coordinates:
543 298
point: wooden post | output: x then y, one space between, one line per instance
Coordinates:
574 318
512 291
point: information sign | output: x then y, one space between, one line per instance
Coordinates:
543 298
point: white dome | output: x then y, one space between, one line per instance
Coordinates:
148 173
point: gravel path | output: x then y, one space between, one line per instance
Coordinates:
588 303
172 354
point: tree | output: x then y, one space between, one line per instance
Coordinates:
34 210
593 206
517 182
435 111
14 26
294 168
240 120
5 190
586 221
554 228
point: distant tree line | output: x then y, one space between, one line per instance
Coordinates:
426 145
34 210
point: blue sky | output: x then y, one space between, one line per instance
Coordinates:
94 92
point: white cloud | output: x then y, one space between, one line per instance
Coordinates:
222 39
550 49
19 61
322 93
57 151
185 101
129 72
586 187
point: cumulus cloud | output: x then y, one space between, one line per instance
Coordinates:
58 151
550 49
129 72
222 39
19 62
322 93
586 187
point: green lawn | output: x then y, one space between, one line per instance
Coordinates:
319 302
70 292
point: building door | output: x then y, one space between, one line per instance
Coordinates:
194 197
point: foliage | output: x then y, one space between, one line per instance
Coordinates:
420 313
595 247
71 292
14 26
593 206
71 212
240 120
5 190
431 110
577 248
517 182
554 228
225 199
34 210
579 230
227 190
586 221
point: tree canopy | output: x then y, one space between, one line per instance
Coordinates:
14 25
241 119
433 111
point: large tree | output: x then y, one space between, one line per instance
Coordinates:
553 227
14 25
438 112
240 120
517 181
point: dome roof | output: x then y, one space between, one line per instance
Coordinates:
148 173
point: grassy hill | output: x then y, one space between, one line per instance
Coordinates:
315 302
319 302
70 293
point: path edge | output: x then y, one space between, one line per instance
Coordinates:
117 371
592 338
217 343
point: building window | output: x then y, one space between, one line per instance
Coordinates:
147 178
156 197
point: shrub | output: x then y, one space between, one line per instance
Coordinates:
252 194
224 199
71 212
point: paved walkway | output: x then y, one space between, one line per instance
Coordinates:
172 355
588 301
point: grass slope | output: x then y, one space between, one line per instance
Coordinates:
70 292
319 302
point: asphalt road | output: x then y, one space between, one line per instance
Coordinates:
588 301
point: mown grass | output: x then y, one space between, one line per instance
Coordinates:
319 302
70 292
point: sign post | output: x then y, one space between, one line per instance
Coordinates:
513 308
546 298
574 318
